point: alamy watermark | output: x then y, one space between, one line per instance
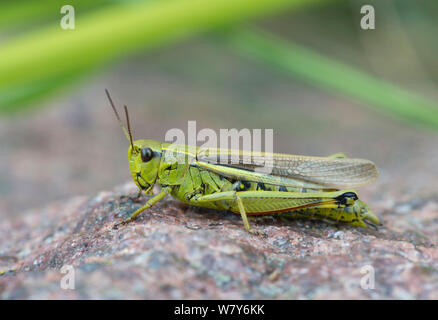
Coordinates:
68 281
229 142
367 282
367 22
68 18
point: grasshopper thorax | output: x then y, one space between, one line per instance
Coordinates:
144 162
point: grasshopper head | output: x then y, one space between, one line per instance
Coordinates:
144 161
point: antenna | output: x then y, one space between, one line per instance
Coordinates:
127 133
129 128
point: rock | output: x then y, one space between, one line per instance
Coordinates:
178 252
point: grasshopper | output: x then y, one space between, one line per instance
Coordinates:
297 186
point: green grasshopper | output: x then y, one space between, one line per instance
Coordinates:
296 186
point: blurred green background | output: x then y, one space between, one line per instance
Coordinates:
303 68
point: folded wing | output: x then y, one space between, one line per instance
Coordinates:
288 170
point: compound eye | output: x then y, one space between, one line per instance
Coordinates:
146 154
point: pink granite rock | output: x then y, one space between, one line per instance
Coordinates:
178 252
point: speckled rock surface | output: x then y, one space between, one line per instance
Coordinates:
178 252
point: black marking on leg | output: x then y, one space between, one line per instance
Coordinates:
282 188
241 186
261 186
342 199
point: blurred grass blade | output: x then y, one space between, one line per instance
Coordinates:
102 36
331 75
